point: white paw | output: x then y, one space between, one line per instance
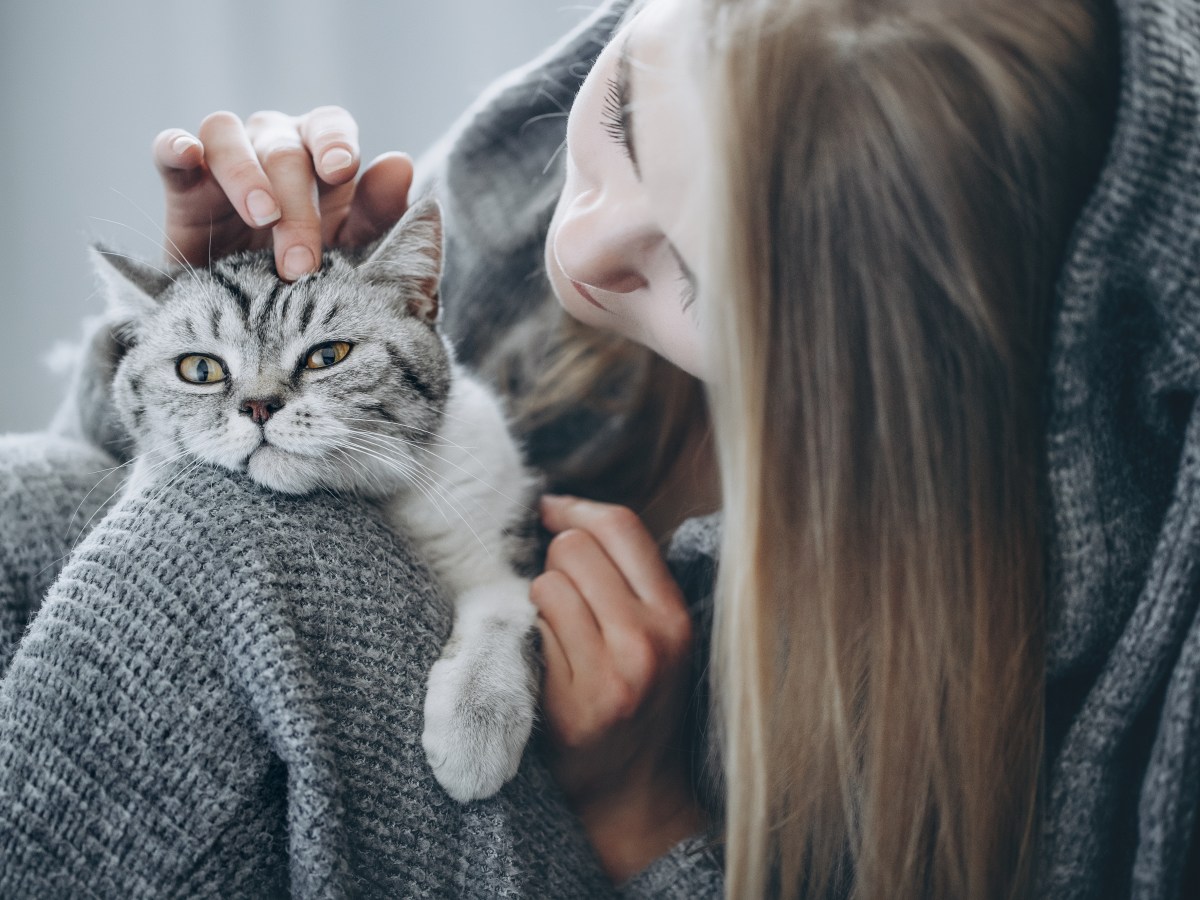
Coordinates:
478 713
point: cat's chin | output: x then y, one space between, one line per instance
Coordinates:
281 471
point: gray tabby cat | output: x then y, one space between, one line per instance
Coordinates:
340 381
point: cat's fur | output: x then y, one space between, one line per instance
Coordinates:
395 420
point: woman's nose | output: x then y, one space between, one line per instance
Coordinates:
603 241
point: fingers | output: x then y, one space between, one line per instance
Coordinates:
579 556
234 164
331 136
287 164
568 615
617 644
379 201
198 213
624 538
178 156
297 175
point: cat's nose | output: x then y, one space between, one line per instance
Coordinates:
261 410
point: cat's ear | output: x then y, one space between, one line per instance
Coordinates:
410 257
131 287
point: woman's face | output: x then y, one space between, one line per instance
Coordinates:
622 243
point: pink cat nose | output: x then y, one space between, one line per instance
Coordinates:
261 410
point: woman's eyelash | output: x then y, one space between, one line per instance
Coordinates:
616 115
688 292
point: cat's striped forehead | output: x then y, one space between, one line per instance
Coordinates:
242 298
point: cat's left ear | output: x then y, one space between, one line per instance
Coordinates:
131 287
410 257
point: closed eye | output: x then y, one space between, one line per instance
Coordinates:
615 117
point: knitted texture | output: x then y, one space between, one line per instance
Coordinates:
221 696
51 489
1123 449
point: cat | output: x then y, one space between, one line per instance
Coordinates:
341 381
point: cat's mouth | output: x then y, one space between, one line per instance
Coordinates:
263 444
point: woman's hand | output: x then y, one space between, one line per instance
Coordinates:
617 638
275 179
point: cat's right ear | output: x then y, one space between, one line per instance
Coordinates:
131 287
410 257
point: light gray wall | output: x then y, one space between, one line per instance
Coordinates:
84 87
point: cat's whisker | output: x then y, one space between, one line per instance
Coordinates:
350 459
160 489
477 478
542 92
413 470
107 473
161 272
553 156
183 264
420 481
177 255
441 439
405 465
104 505
410 442
437 442
534 119
434 484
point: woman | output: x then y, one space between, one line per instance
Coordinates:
859 259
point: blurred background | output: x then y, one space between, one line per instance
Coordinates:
85 87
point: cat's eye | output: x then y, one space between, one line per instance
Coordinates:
325 355
200 369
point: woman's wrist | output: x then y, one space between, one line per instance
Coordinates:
631 825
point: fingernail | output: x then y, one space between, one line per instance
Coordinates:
297 262
335 160
183 144
262 207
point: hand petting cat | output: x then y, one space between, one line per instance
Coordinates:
291 182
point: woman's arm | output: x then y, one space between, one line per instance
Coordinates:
617 639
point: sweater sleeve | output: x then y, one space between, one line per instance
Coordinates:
222 696
52 490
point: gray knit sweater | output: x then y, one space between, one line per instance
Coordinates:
220 692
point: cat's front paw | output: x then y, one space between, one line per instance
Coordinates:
478 714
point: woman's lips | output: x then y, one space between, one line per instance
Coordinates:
583 292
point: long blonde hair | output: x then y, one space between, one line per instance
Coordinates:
894 182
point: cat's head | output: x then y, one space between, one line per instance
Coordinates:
335 381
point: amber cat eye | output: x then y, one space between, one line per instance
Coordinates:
328 354
199 369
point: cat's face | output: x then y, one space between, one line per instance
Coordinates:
335 381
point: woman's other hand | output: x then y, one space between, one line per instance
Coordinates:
617 639
291 182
